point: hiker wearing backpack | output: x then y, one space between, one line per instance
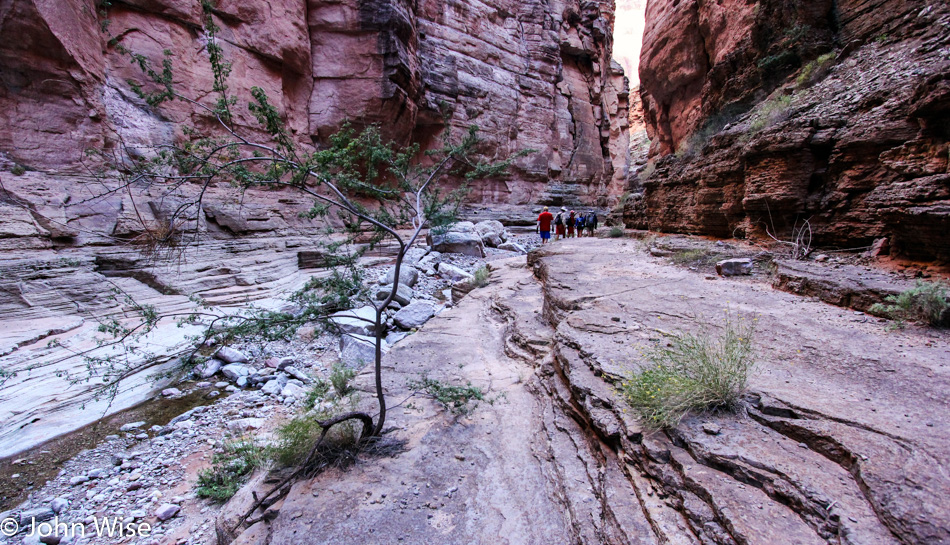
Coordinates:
559 224
571 224
591 223
580 225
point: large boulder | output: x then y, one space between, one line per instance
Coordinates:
492 232
513 247
414 315
453 273
208 368
230 355
403 293
407 275
413 255
236 371
361 321
461 238
430 262
358 350
734 267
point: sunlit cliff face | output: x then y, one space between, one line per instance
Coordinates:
628 36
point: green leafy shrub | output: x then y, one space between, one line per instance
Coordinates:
692 372
615 232
481 277
18 170
460 400
340 378
230 469
927 302
318 392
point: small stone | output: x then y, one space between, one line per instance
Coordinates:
712 429
78 479
97 473
58 505
169 392
209 368
220 384
131 426
167 511
203 385
235 371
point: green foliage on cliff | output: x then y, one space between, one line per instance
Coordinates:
927 303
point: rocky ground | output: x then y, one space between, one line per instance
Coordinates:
134 474
840 442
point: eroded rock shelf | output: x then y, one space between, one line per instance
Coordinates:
841 441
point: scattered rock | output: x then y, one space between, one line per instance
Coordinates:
513 247
298 374
234 371
461 239
414 315
78 479
208 368
358 350
58 505
293 390
170 392
734 267
712 429
167 511
403 293
361 321
279 363
230 355
38 514
244 424
492 233
430 261
454 273
407 275
131 426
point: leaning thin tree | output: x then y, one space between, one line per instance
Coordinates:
375 187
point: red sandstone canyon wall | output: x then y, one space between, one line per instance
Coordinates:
533 74
764 114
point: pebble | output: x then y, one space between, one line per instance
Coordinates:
131 426
167 511
78 479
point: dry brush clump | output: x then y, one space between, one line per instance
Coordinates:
926 302
693 372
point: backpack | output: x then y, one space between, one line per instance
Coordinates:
558 219
592 219
580 222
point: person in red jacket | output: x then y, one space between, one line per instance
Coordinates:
544 225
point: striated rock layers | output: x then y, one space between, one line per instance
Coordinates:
531 74
832 112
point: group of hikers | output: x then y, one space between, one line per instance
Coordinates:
565 224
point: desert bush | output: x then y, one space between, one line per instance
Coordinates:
926 302
340 377
18 170
615 232
693 372
316 393
229 469
460 400
481 277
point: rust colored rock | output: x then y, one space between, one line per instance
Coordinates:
850 140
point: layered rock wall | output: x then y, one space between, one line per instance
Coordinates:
531 75
835 113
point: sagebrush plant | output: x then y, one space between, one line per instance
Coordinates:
926 302
615 232
693 371
229 469
340 377
481 277
459 400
